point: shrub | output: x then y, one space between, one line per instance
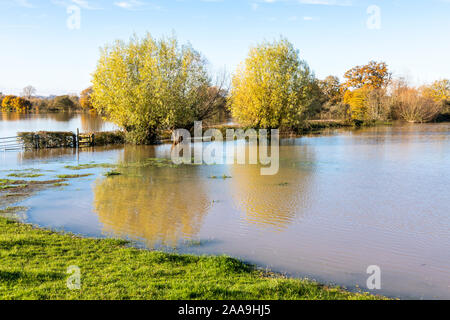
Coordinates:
411 106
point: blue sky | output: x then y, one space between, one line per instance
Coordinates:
38 48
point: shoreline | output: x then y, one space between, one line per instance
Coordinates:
35 262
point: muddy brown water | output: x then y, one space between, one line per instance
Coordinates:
341 202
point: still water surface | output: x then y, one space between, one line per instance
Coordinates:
13 122
340 203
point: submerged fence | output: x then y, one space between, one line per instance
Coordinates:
11 144
52 140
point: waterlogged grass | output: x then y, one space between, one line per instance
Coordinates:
6 181
16 213
25 175
74 176
91 166
112 173
34 263
157 163
13 186
60 184
9 210
222 177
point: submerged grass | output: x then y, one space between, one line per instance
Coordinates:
25 175
222 177
60 184
90 166
13 186
112 173
34 262
74 176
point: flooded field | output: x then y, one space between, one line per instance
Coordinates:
341 202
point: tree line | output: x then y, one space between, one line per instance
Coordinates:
148 86
30 103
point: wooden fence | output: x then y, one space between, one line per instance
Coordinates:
11 144
85 139
51 140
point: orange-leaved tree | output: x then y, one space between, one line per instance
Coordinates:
85 99
365 88
374 75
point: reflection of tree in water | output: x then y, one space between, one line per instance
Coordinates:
91 122
56 116
273 201
13 116
158 205
61 116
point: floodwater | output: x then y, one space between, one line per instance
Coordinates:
13 122
340 203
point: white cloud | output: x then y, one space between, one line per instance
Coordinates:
84 4
318 2
130 4
136 5
327 2
24 3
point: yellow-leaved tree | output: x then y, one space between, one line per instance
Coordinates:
148 85
439 91
357 100
14 103
273 88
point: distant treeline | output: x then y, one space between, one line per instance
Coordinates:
40 104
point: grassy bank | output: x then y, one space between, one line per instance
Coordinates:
33 265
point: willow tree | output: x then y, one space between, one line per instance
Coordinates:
273 88
148 85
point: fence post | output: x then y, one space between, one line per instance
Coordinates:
36 136
92 139
78 138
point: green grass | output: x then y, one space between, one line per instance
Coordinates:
34 262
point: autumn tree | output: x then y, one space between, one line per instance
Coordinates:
365 91
374 75
273 88
7 102
14 103
439 91
85 99
21 104
148 85
357 100
64 103
331 89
